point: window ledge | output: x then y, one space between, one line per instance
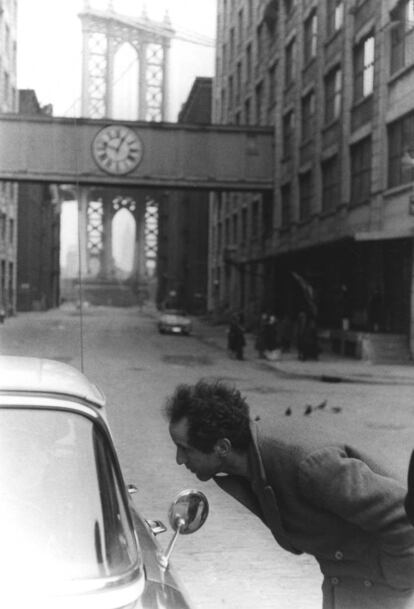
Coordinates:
331 124
361 101
399 73
284 230
308 140
396 190
309 63
327 213
356 204
332 35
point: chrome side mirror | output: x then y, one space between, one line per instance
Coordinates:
187 513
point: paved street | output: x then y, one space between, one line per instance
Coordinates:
233 561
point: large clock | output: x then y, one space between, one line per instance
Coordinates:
117 149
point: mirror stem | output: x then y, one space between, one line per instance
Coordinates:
165 558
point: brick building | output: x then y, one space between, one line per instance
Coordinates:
38 264
183 225
335 78
8 190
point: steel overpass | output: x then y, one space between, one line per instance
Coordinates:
171 155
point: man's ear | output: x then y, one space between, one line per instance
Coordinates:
223 447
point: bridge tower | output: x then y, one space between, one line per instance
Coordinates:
104 33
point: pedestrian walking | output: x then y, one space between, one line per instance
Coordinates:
271 338
235 338
317 493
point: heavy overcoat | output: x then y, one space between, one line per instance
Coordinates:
330 499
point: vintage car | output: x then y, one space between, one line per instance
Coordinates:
174 321
71 536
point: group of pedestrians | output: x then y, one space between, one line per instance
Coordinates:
276 336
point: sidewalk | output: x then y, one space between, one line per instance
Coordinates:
329 368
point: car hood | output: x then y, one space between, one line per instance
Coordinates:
152 596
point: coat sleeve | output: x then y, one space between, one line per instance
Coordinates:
349 488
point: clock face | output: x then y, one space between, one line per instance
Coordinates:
117 149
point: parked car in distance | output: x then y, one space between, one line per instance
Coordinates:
71 535
174 321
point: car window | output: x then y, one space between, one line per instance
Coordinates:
62 511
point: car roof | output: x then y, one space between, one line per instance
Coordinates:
39 375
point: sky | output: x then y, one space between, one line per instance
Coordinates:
49 51
49 61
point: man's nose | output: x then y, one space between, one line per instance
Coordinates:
180 458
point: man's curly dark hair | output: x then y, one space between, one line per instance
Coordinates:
214 410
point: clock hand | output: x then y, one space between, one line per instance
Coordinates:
121 141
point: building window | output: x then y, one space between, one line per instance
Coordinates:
223 104
272 85
231 49
230 98
259 102
259 43
235 229
11 230
305 195
335 15
7 40
308 115
3 226
241 20
286 191
227 231
224 58
289 7
267 215
247 111
288 131
330 183
238 81
361 172
402 35
270 18
249 11
255 220
333 93
248 63
3 276
244 225
364 68
310 37
290 62
6 87
400 151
